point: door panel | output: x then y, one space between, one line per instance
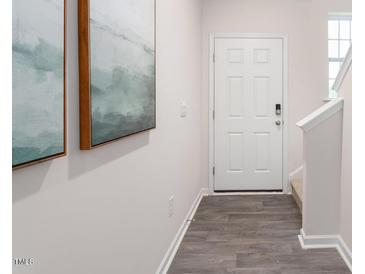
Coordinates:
261 95
235 94
235 152
248 85
262 152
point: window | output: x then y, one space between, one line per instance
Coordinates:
339 41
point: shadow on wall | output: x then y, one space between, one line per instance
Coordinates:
81 162
28 185
31 180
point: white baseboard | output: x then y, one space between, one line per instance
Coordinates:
174 246
247 193
326 241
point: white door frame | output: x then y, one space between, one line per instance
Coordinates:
282 36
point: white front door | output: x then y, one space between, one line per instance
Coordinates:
248 129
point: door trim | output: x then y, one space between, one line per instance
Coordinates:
284 37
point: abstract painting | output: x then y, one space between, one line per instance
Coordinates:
38 81
117 69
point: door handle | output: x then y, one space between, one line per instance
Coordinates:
278 122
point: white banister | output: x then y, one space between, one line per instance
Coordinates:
343 70
322 142
321 114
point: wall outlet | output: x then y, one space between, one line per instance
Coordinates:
171 206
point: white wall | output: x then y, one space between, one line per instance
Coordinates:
305 22
105 211
346 178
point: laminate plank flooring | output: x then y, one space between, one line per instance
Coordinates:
250 234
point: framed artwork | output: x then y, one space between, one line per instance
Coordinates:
39 90
117 69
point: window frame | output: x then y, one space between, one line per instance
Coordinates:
336 17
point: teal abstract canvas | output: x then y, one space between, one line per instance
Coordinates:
38 80
122 68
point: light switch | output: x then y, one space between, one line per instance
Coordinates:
183 109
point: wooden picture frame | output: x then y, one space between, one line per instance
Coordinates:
64 152
85 92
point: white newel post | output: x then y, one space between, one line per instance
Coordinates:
322 141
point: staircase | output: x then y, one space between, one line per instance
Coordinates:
297 190
320 193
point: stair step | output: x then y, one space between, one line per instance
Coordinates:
297 186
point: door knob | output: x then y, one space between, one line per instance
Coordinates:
278 122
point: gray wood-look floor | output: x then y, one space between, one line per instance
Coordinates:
250 234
